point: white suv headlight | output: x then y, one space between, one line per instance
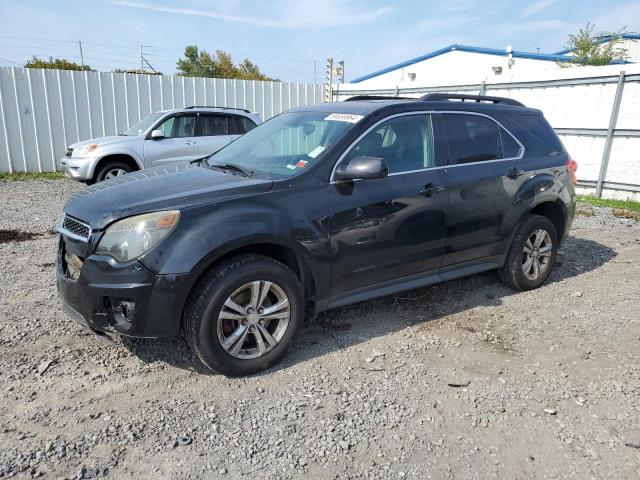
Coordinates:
86 150
131 237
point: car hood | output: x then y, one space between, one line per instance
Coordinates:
160 188
104 141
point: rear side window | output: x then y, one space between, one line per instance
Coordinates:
539 137
244 124
472 138
213 125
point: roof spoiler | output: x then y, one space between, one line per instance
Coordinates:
436 97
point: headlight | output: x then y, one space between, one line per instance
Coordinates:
87 149
129 238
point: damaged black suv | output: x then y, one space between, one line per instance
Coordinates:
319 207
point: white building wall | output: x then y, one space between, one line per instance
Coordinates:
456 68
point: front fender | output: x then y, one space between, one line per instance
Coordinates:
205 233
118 151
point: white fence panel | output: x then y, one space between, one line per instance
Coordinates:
43 111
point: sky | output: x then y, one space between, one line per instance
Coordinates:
291 39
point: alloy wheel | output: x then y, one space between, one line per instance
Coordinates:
253 319
536 255
115 172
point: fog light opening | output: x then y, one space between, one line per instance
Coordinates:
123 310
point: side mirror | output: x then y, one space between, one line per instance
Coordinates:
157 134
363 168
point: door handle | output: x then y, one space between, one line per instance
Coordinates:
429 190
514 173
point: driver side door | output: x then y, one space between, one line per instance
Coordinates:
179 143
391 229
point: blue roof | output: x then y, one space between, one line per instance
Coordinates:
466 48
606 38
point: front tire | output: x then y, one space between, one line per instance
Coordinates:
244 315
111 170
532 254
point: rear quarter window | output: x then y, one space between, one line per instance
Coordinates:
536 134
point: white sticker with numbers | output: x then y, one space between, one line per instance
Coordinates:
345 117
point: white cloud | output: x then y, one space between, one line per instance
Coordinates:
292 14
536 7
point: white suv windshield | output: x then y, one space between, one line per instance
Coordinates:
141 126
286 144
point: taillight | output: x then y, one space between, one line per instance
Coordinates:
572 168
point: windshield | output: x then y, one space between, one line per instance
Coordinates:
140 127
286 144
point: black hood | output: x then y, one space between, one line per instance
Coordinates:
160 188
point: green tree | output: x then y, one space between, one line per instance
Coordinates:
55 63
200 63
588 48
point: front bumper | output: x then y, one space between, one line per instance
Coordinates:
79 168
124 299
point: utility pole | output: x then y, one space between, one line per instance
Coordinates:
328 97
141 60
315 68
81 55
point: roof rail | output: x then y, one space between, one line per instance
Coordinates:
191 107
434 97
375 97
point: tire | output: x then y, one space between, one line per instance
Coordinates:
112 169
209 322
516 271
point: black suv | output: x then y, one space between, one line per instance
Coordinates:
319 207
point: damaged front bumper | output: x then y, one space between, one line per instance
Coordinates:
125 299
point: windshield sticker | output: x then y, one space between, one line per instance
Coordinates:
316 151
301 163
291 167
345 117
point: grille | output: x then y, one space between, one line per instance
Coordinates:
76 228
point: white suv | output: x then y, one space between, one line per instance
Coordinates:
169 136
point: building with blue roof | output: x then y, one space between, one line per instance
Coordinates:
464 64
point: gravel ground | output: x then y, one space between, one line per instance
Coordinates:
460 380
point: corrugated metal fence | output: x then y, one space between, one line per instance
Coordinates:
604 139
43 111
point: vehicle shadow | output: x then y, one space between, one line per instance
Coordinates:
347 326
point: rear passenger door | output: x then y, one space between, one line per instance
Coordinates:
215 131
482 181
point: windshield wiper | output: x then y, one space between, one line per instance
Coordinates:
245 172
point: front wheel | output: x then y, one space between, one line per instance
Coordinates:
532 254
244 315
112 170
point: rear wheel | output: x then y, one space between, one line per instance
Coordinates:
244 315
111 170
532 254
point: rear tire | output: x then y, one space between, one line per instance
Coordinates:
111 170
532 254
236 330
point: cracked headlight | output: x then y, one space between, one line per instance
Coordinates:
131 237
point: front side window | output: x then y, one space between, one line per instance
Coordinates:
472 138
285 145
178 126
405 142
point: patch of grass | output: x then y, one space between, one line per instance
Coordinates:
603 202
16 177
